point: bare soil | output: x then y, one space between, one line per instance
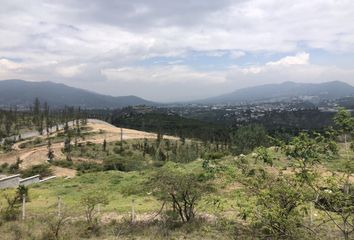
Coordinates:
102 131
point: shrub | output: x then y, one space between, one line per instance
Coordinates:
43 170
126 164
86 167
63 163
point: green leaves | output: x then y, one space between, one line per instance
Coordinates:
181 187
263 154
343 121
279 209
246 138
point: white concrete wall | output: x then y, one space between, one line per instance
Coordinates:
29 180
10 182
47 179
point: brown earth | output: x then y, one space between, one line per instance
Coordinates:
102 131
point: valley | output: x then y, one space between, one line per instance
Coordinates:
129 182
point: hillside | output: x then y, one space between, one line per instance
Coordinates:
34 151
22 93
285 91
125 183
163 187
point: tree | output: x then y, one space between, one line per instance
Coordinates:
104 145
67 148
336 198
90 201
305 152
22 191
246 138
333 195
182 188
55 224
36 111
46 117
12 209
279 209
50 153
344 125
14 168
338 204
263 155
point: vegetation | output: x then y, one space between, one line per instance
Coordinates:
40 118
243 184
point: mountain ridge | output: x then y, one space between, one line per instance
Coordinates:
284 91
16 92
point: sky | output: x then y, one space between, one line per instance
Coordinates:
179 50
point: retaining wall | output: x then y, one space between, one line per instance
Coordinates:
10 182
29 180
47 179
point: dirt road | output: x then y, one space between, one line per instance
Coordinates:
102 130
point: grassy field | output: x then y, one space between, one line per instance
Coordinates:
124 174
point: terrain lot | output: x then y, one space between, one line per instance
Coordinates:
97 132
126 171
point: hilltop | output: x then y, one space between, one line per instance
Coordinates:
22 94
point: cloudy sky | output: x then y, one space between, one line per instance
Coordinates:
169 50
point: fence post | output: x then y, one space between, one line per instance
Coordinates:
23 207
121 138
133 211
59 207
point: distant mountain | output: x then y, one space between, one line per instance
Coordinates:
285 91
22 93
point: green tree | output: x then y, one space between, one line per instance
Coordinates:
90 201
278 211
246 138
67 148
173 183
336 197
263 155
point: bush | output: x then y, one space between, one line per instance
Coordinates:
180 187
11 211
63 163
86 167
213 155
43 170
125 164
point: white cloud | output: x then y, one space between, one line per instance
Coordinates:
6 65
162 75
297 68
235 54
302 58
299 59
70 71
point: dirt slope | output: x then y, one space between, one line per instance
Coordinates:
103 129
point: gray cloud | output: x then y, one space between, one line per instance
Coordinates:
98 44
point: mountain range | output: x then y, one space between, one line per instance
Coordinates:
313 92
22 93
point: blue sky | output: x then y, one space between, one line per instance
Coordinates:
166 50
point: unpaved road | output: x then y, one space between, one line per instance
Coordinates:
103 130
